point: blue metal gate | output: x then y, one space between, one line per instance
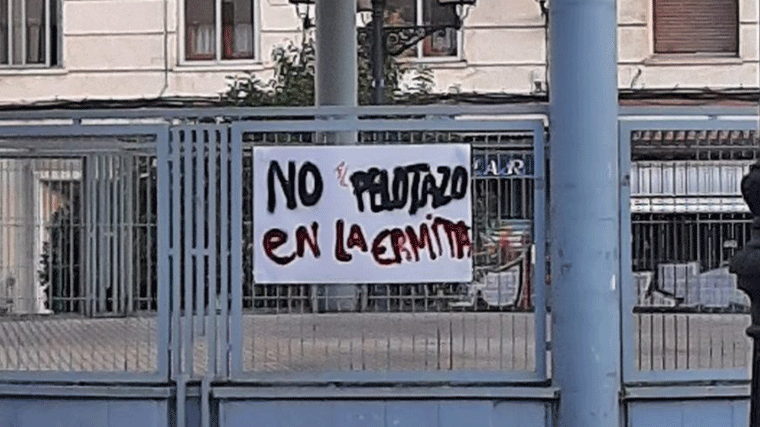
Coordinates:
140 284
685 354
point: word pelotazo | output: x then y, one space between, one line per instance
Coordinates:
362 214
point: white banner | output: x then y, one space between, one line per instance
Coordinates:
362 214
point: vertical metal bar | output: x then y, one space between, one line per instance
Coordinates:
202 252
130 175
213 256
109 208
627 299
149 233
163 242
73 306
539 266
89 248
82 228
4 222
175 144
102 235
201 137
187 251
119 231
118 235
205 404
181 399
224 226
236 242
210 247
43 207
104 259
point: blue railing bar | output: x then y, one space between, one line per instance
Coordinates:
176 254
687 375
88 391
450 378
225 255
163 224
675 391
505 393
187 223
81 377
539 268
236 249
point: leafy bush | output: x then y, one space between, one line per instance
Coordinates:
293 81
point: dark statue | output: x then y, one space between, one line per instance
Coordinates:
746 265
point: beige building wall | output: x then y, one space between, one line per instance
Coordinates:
122 49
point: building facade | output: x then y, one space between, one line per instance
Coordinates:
100 49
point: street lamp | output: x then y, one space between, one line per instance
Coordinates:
746 265
393 40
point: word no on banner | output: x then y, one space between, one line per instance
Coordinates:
362 214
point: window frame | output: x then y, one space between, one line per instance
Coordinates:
420 46
53 35
217 60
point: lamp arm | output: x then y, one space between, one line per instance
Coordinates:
398 39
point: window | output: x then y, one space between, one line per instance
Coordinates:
444 43
696 26
29 33
218 30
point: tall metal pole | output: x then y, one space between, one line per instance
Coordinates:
336 84
336 64
585 244
378 52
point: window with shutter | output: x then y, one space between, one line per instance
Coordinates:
696 26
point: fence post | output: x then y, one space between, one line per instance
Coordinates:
585 258
746 265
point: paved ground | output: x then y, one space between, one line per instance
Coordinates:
364 341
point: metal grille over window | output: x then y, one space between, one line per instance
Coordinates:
696 26
78 257
29 33
688 220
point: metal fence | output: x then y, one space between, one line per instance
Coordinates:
85 261
685 314
487 325
78 258
82 247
